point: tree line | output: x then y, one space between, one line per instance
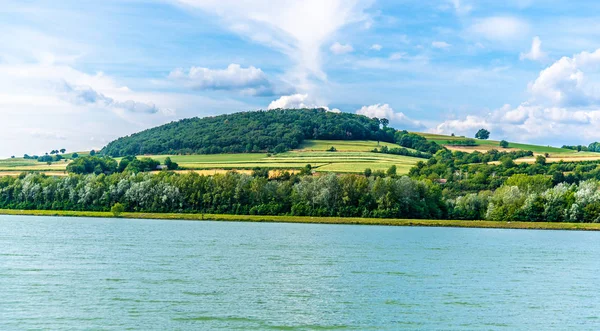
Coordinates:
231 193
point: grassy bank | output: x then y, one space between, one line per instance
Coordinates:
316 220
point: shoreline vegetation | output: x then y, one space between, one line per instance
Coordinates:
312 220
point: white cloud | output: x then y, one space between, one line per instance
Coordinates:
466 126
45 134
397 56
385 111
564 106
536 53
298 29
337 48
376 47
251 80
298 101
440 44
460 7
500 28
85 95
569 82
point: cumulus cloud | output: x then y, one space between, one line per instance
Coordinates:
440 44
500 28
298 29
298 101
376 47
564 106
338 48
536 53
569 82
385 111
251 80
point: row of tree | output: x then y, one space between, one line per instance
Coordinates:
106 165
532 199
232 193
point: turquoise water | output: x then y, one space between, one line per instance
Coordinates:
79 273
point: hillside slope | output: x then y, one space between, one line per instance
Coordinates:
258 131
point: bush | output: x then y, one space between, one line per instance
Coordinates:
117 209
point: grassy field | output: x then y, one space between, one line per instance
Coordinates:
555 154
350 157
316 220
343 145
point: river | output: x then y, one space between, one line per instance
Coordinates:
116 274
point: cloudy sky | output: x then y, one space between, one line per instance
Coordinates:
77 74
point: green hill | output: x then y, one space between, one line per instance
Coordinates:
244 132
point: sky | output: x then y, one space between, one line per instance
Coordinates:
77 74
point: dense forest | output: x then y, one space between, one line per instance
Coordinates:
245 132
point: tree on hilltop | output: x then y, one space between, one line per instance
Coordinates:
482 134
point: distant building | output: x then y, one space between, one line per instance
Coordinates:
161 167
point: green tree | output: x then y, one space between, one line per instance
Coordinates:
307 170
392 171
62 151
503 143
117 209
482 134
92 152
530 184
368 172
170 164
541 160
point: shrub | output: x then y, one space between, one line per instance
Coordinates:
117 209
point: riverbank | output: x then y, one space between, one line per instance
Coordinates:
315 220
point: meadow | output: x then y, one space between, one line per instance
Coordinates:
348 157
553 154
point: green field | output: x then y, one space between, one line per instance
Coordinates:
350 157
315 220
344 145
447 140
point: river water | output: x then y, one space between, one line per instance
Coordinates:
84 273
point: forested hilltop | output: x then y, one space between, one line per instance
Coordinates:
256 131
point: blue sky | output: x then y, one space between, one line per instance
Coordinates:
77 74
